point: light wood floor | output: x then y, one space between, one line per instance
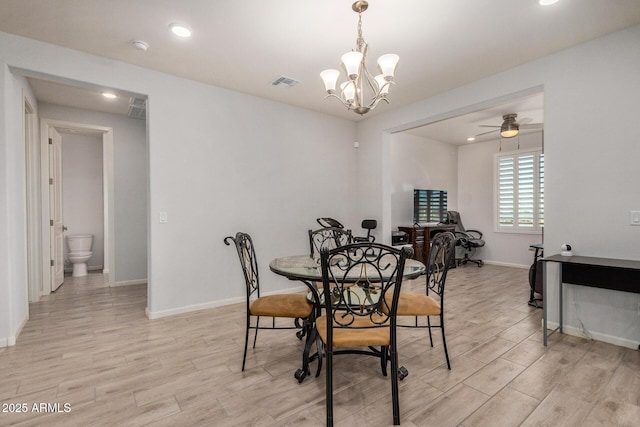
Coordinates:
93 348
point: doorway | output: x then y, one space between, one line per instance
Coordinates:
53 244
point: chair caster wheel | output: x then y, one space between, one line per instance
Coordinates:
402 373
300 375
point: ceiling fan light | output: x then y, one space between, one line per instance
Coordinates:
352 61
387 64
330 78
509 130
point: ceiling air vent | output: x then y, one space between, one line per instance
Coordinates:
137 108
283 81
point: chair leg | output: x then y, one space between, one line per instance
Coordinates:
329 388
320 353
444 340
246 341
384 352
429 326
255 337
395 401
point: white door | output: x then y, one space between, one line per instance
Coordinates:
55 209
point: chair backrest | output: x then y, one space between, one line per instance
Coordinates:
248 261
364 282
329 222
369 224
440 258
453 217
327 237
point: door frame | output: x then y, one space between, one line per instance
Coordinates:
108 194
32 199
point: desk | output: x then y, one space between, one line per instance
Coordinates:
420 238
605 273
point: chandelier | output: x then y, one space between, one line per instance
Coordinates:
362 91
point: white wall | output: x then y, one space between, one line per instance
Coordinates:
130 185
82 195
420 163
476 184
219 162
591 94
13 264
214 155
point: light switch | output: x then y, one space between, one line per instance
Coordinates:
634 218
162 217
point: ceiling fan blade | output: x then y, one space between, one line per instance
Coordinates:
532 126
524 121
485 133
489 126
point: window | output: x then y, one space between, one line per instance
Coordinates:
429 206
520 192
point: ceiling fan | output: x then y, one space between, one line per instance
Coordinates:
510 127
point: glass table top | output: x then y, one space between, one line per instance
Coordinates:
304 267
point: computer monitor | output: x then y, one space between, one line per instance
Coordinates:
429 206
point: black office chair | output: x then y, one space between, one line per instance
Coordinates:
367 224
469 240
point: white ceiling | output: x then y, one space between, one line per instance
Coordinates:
244 45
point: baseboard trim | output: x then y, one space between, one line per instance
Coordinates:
11 340
596 336
213 304
130 282
507 264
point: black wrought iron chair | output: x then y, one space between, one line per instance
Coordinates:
327 237
294 306
367 224
329 222
363 286
469 240
420 305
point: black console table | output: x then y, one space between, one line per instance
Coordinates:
606 273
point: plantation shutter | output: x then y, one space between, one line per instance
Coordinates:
506 192
520 191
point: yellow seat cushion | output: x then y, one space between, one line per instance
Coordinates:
362 334
285 305
417 305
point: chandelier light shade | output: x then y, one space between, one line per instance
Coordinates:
362 91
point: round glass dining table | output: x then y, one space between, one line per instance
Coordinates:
306 268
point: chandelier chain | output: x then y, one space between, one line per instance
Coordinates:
360 40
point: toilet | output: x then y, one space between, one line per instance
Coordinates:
79 252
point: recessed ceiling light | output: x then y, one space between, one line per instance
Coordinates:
546 2
471 138
109 95
180 30
140 45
